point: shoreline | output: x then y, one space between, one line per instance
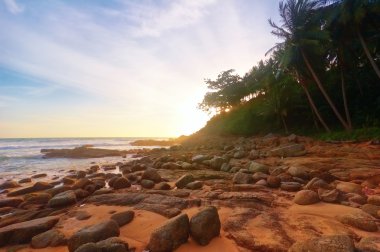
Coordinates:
260 185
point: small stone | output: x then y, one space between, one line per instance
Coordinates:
273 181
257 167
299 171
40 175
148 184
194 185
25 180
242 178
290 186
306 197
121 183
81 174
162 186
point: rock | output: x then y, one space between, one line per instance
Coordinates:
374 200
327 243
162 186
273 181
121 183
103 191
242 178
112 180
25 180
216 162
254 154
82 183
290 186
329 196
10 202
239 154
257 167
348 187
113 244
68 181
371 209
81 215
299 171
37 198
184 180
51 238
293 150
81 174
225 167
306 197
151 174
199 159
38 186
123 218
186 166
261 182
205 225
63 199
194 185
24 231
171 166
361 221
259 176
170 235
9 184
40 175
356 198
94 168
148 184
80 193
369 244
316 183
93 233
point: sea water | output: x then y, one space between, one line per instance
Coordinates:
22 156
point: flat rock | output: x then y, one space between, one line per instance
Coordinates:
257 167
24 231
349 187
329 196
205 225
361 221
371 209
290 186
369 244
95 233
333 243
184 180
170 235
38 186
374 200
10 202
194 185
9 184
51 238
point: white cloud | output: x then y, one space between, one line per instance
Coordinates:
13 6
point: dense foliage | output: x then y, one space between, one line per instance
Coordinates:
323 76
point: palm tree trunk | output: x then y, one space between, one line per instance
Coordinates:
348 117
367 52
327 97
284 123
314 108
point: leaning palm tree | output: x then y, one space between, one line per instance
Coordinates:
302 35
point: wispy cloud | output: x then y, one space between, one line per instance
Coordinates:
13 7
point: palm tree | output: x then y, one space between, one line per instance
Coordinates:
302 35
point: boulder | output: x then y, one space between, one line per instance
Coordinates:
371 209
63 199
24 231
121 183
148 184
374 200
184 180
356 198
242 178
327 243
199 159
113 244
171 166
95 233
273 181
82 183
37 198
299 171
259 176
170 235
9 184
291 186
194 185
254 154
81 174
306 197
225 167
369 244
361 221
216 162
257 167
316 183
151 174
239 154
51 238
88 247
123 218
292 150
329 196
349 187
205 225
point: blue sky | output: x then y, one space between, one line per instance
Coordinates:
121 68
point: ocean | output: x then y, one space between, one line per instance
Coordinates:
22 156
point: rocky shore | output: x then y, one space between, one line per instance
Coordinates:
214 194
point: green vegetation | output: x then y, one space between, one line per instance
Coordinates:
354 135
323 76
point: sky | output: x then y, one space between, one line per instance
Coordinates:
121 68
